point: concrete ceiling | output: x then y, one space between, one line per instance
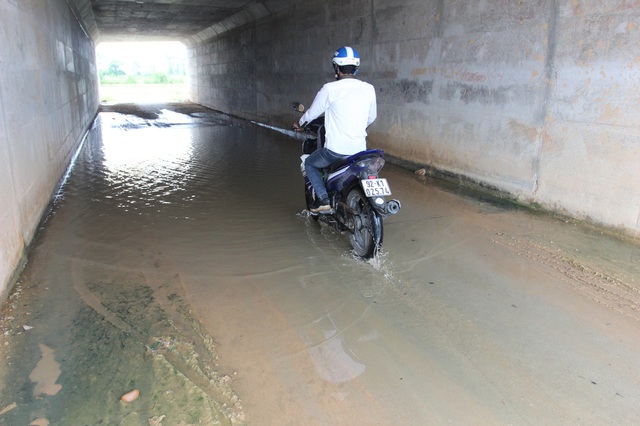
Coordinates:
188 21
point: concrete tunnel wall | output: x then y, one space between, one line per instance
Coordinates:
49 98
538 99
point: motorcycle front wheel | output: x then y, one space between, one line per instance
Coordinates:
367 233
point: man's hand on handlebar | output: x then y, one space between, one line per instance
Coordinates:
296 127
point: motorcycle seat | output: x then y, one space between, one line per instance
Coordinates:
355 157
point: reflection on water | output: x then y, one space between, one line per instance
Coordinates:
138 155
46 374
203 168
329 356
143 171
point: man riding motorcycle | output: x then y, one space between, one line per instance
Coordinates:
349 107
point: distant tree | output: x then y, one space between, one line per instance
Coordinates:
157 78
175 65
115 69
137 69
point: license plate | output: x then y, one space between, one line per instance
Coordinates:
376 187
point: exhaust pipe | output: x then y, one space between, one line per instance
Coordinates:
392 207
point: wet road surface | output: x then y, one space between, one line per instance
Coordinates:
178 261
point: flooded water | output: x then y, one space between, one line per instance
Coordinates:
178 262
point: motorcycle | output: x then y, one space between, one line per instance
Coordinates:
356 192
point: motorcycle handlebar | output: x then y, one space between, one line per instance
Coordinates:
305 127
299 128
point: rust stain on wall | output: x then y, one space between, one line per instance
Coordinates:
472 77
609 113
530 134
581 7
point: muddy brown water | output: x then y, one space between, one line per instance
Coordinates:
178 261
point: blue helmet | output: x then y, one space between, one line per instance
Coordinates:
346 55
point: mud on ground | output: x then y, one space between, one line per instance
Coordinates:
128 335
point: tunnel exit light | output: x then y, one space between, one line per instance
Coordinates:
141 72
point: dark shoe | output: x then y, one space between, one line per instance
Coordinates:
323 206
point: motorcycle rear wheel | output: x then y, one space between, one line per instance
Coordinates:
366 238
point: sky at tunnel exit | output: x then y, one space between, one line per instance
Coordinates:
140 55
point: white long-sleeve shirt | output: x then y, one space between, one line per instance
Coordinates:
349 107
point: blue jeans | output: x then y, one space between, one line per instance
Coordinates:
319 160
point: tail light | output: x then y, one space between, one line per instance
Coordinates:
373 165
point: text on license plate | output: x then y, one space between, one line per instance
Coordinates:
376 187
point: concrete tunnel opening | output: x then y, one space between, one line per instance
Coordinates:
142 71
